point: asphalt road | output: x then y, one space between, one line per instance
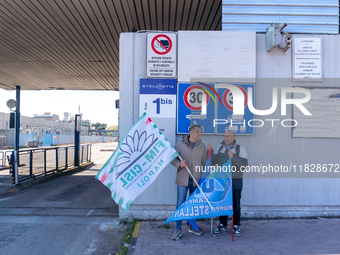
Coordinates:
72 214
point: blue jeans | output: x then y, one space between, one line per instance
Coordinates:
181 196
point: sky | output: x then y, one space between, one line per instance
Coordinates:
97 106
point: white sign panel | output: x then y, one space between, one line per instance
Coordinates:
324 122
158 105
161 54
307 59
216 54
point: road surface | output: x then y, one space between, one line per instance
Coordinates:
72 214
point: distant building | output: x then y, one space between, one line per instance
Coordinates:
42 124
66 114
47 116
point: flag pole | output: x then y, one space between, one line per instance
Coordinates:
232 228
196 183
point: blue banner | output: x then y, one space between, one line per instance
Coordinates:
216 183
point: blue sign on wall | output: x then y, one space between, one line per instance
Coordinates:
189 106
158 98
217 117
158 86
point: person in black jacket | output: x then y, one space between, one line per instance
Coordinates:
229 149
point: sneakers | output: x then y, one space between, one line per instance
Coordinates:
177 235
220 228
237 230
194 231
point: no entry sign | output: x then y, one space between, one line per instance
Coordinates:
161 44
161 55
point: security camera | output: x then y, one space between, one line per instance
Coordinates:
289 38
276 36
285 42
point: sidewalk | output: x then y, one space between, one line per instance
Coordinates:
284 236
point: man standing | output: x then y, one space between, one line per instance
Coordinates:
229 149
193 152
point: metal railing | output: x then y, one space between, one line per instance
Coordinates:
44 161
2 159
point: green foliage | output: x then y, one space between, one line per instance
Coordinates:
167 226
111 128
99 126
127 238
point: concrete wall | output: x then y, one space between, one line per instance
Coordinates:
275 196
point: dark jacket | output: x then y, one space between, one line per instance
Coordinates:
220 156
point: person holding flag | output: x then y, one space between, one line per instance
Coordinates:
228 149
193 152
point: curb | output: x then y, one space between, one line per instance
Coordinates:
134 237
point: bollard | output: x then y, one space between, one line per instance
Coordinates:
10 165
12 160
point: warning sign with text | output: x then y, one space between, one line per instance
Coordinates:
307 59
161 55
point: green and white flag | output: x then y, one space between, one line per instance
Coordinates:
136 163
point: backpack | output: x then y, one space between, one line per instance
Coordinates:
237 149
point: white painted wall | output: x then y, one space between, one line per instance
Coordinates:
261 197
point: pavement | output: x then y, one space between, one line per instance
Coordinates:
6 187
277 236
259 236
69 215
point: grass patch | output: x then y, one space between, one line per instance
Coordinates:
127 238
166 226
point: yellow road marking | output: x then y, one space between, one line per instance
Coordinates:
136 230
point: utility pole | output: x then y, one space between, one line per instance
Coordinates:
76 141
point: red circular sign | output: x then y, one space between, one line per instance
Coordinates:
194 103
164 46
229 104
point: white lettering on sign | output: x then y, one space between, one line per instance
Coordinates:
307 59
161 55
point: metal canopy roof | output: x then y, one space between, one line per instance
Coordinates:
73 44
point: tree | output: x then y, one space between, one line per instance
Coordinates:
115 127
112 128
99 126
